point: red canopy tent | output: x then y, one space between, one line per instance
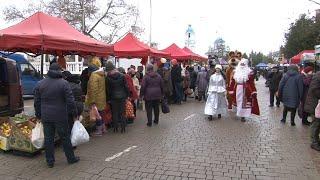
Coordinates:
196 56
131 47
178 53
297 58
44 34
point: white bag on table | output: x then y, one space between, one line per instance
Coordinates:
37 136
79 134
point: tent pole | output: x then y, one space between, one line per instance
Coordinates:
42 59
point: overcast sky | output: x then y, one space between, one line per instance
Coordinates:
245 25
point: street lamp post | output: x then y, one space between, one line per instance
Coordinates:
150 33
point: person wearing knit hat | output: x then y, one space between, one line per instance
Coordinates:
216 102
291 92
117 94
307 77
174 62
109 66
96 62
152 92
53 101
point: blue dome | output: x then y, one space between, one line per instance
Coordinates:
190 29
219 41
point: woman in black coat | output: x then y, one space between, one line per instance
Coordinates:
310 106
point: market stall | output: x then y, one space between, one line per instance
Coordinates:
131 47
44 34
178 53
297 58
196 57
41 34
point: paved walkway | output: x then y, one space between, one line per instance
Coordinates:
186 146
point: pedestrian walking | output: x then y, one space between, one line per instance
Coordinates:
74 83
152 92
307 77
177 81
290 92
312 100
232 64
275 77
244 91
117 94
202 84
53 100
96 95
216 101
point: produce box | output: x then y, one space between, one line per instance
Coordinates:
20 118
20 138
5 133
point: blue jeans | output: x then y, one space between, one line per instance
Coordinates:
49 129
179 91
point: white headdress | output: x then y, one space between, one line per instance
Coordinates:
242 71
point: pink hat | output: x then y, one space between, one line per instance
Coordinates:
174 62
308 69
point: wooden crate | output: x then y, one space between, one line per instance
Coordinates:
19 141
4 140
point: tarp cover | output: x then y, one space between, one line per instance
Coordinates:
195 56
44 34
178 53
297 58
131 47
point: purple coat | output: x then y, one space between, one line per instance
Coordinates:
152 87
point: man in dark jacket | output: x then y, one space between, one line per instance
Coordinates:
290 92
152 92
310 106
177 81
117 93
53 100
275 78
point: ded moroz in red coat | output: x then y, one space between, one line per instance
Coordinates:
250 97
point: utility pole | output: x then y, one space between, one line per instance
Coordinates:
150 35
83 18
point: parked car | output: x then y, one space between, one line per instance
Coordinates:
29 75
11 101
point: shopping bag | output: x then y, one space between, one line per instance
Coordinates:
79 134
107 114
37 136
164 106
129 111
317 110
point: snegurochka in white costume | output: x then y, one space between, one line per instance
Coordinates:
216 101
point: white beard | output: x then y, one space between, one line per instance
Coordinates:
241 74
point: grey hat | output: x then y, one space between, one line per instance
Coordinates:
55 67
122 70
293 68
109 66
149 68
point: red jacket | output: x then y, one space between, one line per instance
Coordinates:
133 93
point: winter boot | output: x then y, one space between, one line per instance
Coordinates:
104 130
98 131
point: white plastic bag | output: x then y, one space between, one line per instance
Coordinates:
37 136
79 134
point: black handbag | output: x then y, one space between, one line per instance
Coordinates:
164 106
